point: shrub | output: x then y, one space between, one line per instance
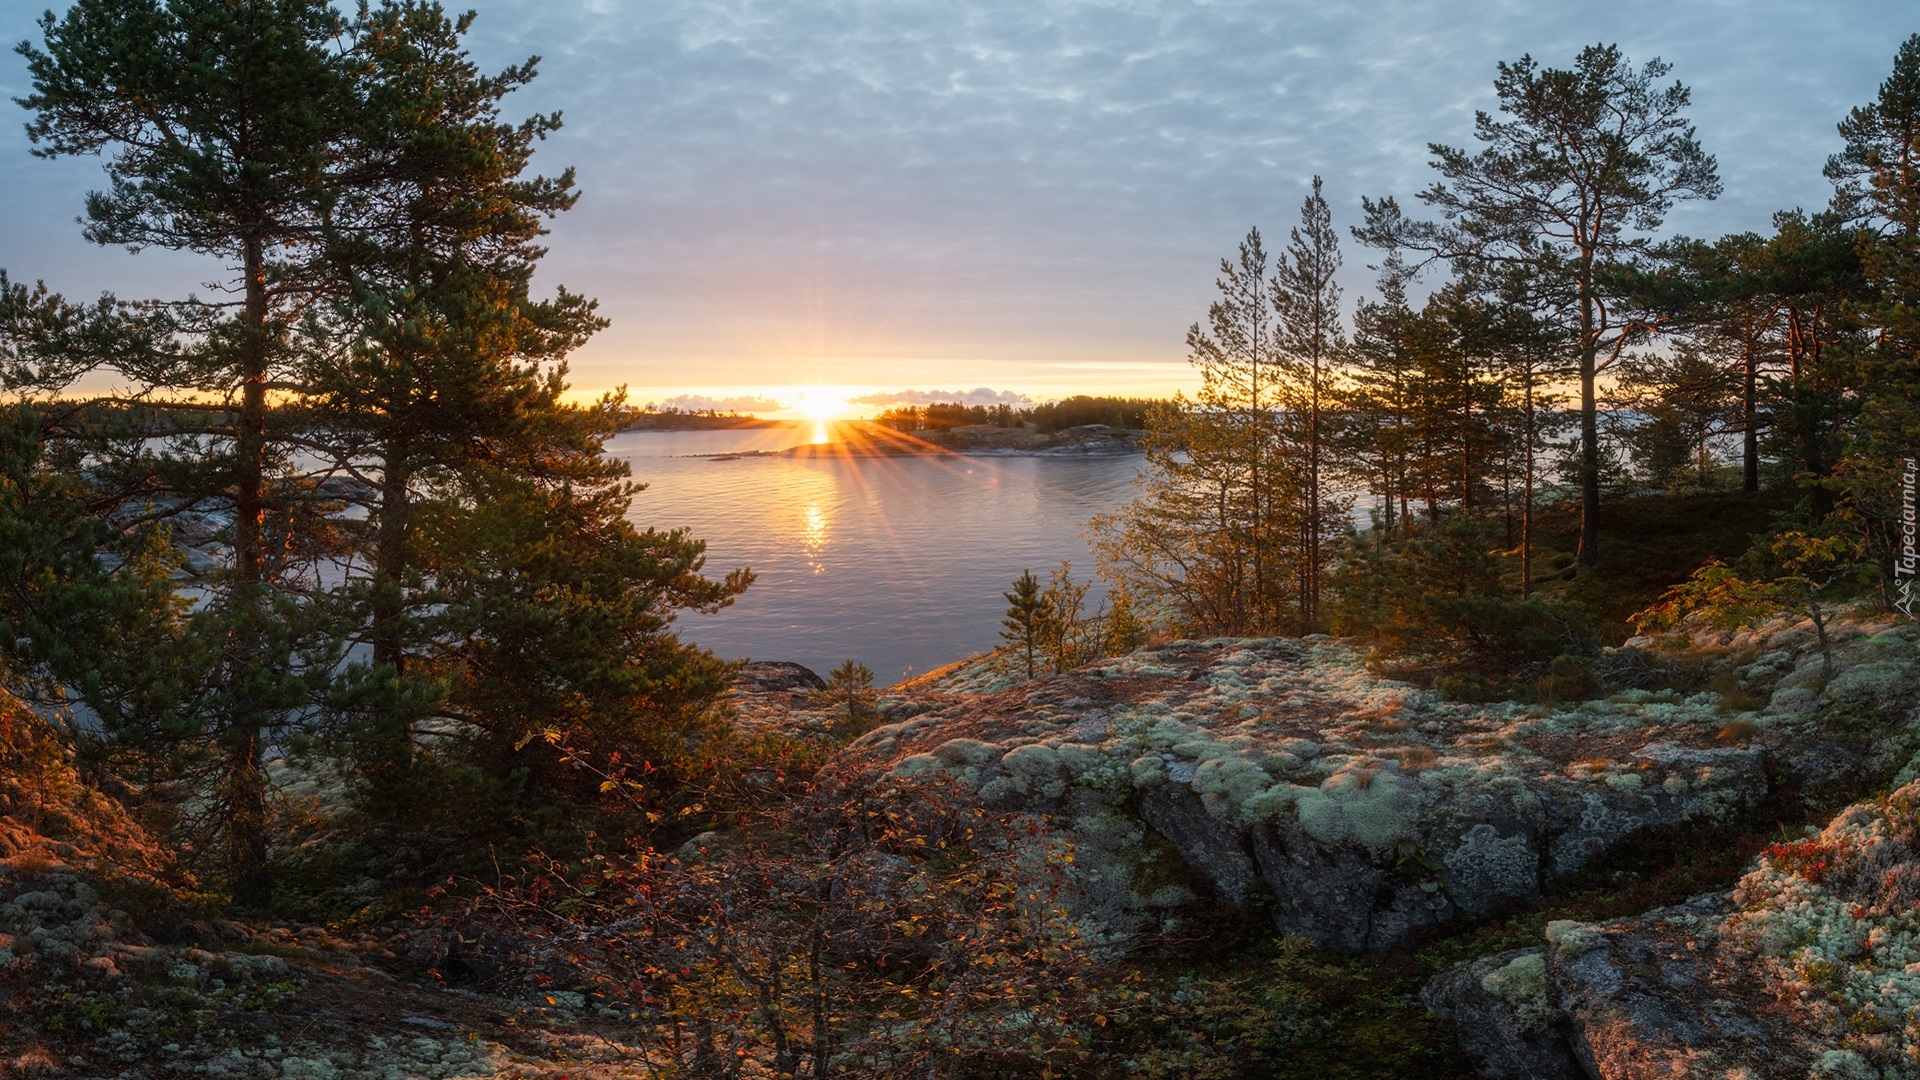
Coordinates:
878 928
1437 599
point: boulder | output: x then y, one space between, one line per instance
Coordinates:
777 677
1500 1010
1809 968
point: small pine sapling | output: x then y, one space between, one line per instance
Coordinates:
1026 614
851 682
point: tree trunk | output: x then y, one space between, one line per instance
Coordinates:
1589 554
245 783
246 826
1312 598
393 738
1749 421
251 439
1526 497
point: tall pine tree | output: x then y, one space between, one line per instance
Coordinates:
219 119
1569 187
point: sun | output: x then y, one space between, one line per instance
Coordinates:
823 403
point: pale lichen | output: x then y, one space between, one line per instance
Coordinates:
1571 939
1224 785
1486 866
1522 984
1375 809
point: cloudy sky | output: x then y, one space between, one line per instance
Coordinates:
1007 197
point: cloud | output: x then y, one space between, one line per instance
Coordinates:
979 395
701 403
1012 182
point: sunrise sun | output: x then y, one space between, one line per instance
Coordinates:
823 403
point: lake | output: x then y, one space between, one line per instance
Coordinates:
897 562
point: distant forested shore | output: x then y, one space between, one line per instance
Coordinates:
671 419
1079 410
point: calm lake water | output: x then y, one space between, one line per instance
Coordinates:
899 563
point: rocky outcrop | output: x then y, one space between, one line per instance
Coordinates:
108 968
1809 968
1365 809
1283 775
777 677
1500 1010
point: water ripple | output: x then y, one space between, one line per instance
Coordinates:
896 562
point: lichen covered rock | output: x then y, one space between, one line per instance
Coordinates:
1365 808
1809 968
1500 1008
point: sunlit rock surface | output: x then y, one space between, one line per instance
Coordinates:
1282 775
1362 807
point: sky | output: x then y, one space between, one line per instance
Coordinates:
1007 200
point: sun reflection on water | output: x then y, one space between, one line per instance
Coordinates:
898 561
813 536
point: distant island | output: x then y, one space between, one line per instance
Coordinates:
671 419
932 421
861 439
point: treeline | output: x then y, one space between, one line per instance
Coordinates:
1081 410
339 521
673 418
1076 411
1565 353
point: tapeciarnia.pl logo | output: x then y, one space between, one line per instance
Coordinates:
1906 562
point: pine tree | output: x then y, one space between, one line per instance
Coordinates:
1313 346
1021 627
1456 400
1218 528
386 230
1527 356
851 683
1376 441
220 120
1877 185
499 583
1683 399
1567 189
436 361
